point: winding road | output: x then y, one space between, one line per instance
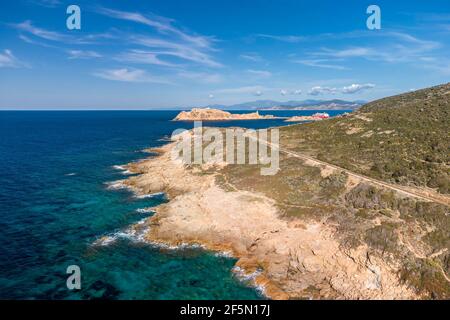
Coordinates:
416 193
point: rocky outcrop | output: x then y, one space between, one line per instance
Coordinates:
285 257
207 114
302 118
314 117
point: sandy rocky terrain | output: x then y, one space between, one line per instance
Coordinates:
302 118
285 258
208 114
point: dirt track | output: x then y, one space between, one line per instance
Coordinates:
423 195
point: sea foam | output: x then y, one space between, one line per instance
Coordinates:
150 195
117 185
135 233
249 278
123 169
145 210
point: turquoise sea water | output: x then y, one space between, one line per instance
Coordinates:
54 204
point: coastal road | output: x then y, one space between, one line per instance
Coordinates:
416 193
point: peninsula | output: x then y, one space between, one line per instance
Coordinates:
358 210
208 114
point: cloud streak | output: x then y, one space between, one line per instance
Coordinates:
8 60
254 57
320 63
128 75
28 27
175 43
161 24
47 3
260 73
351 89
355 88
283 38
318 90
143 57
162 47
83 54
402 47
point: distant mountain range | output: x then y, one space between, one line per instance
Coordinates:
334 104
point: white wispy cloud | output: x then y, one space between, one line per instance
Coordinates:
128 75
355 88
83 54
162 47
317 37
27 26
161 24
39 43
421 45
47 3
318 90
8 60
260 73
390 46
397 47
319 63
350 89
143 57
254 57
283 38
174 42
348 52
174 48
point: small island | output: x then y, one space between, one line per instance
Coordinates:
314 117
208 114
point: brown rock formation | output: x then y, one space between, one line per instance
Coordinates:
207 114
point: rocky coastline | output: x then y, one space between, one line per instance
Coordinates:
287 258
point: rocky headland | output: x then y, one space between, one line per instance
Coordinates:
315 229
207 114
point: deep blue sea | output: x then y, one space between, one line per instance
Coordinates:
54 204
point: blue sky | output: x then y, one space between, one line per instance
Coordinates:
162 54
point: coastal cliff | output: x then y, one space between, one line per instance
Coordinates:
207 114
287 257
326 225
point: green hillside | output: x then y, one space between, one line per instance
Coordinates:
403 139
